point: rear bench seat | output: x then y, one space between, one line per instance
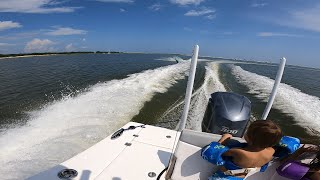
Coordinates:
187 163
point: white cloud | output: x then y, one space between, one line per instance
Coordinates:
186 2
63 31
308 19
208 13
34 6
9 25
270 34
6 44
303 18
19 36
116 1
38 45
70 48
155 7
211 16
256 5
122 10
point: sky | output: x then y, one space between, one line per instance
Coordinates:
244 29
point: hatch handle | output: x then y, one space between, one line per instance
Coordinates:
119 132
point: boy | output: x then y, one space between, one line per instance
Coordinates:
261 136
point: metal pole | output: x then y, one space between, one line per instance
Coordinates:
187 99
274 89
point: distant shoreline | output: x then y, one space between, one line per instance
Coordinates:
21 56
10 56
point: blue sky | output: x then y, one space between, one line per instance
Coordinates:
250 29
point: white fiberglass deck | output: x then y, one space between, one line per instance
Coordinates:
131 156
137 152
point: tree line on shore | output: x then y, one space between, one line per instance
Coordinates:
54 53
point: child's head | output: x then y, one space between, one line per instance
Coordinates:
263 134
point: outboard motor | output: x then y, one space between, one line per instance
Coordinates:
227 113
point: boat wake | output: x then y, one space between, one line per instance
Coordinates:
173 59
302 107
199 100
66 127
179 59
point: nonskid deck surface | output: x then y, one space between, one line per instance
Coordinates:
136 154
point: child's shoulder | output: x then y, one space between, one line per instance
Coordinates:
236 152
245 158
243 152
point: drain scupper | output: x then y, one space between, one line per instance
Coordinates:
67 174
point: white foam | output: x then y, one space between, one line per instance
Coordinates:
68 126
179 59
199 99
302 107
173 59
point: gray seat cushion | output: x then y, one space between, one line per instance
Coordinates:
189 164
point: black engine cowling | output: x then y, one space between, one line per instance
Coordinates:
227 113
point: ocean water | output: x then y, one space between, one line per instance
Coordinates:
53 107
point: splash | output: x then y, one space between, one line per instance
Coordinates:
302 107
66 127
173 59
199 100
